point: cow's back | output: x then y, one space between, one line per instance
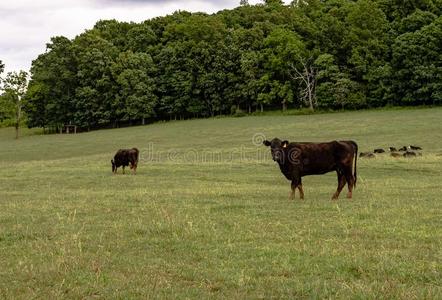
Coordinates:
315 158
320 158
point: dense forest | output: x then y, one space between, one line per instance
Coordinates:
336 54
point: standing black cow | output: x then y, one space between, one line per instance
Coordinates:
124 158
300 159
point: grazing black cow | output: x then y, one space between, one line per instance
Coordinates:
410 154
393 149
379 150
300 159
411 147
124 158
404 148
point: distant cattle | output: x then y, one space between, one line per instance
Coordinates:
395 154
392 149
411 147
367 155
124 158
379 150
296 160
409 154
404 148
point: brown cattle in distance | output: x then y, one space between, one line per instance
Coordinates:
297 160
367 155
395 154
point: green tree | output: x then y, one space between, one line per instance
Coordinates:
417 65
14 85
133 73
334 88
35 105
96 89
285 53
141 38
50 100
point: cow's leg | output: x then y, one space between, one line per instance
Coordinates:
350 182
301 190
341 183
294 185
135 168
123 169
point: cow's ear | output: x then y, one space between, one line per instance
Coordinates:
266 143
285 144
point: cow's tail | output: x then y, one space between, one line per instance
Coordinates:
355 146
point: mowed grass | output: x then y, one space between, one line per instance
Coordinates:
208 214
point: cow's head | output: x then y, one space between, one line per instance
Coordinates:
114 166
278 149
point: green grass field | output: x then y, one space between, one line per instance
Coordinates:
208 214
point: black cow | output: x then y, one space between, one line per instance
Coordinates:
393 149
124 158
410 154
301 159
414 147
379 150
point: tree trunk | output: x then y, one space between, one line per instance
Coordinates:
262 107
143 121
17 123
310 100
284 106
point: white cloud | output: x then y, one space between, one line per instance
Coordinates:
27 25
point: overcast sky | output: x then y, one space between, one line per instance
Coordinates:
27 25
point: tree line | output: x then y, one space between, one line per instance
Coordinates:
335 54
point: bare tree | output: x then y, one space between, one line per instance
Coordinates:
307 75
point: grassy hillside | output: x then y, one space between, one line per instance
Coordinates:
208 213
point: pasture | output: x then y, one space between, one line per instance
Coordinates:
208 214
